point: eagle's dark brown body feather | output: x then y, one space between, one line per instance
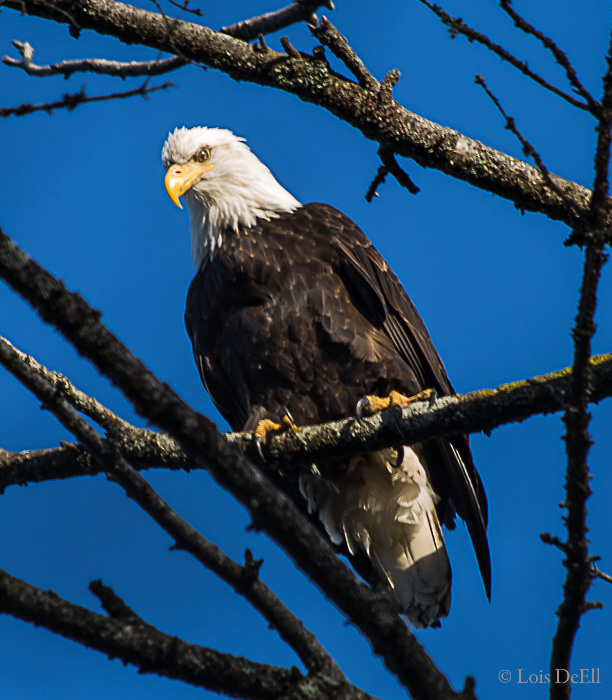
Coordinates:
302 311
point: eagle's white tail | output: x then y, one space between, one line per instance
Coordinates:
389 513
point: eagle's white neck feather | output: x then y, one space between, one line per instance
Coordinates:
234 193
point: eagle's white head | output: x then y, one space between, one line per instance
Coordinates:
225 186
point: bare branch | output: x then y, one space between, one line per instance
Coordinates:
98 66
117 469
329 36
152 651
479 411
73 100
553 541
115 606
407 134
559 55
185 8
578 442
85 404
457 26
377 181
373 612
528 149
297 11
597 573
290 50
391 166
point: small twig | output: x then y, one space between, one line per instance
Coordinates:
262 43
115 606
554 541
378 180
387 158
185 8
528 149
558 53
290 50
457 26
385 90
99 66
71 101
389 166
329 36
598 573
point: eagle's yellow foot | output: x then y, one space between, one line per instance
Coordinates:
369 405
266 427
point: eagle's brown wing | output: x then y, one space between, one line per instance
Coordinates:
376 289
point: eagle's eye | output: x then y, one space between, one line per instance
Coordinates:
202 155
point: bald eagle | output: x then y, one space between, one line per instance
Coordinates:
293 309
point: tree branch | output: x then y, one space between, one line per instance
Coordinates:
528 149
297 11
329 36
85 404
559 55
373 612
578 442
109 458
405 133
247 30
99 66
479 411
73 100
151 651
457 26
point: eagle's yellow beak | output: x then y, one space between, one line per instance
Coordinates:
181 178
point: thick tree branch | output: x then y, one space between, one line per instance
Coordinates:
372 612
247 30
152 651
479 411
310 78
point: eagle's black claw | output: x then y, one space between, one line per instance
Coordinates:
433 397
258 447
286 413
400 458
362 406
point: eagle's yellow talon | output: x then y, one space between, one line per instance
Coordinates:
265 427
371 404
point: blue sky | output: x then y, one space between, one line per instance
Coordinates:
82 192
